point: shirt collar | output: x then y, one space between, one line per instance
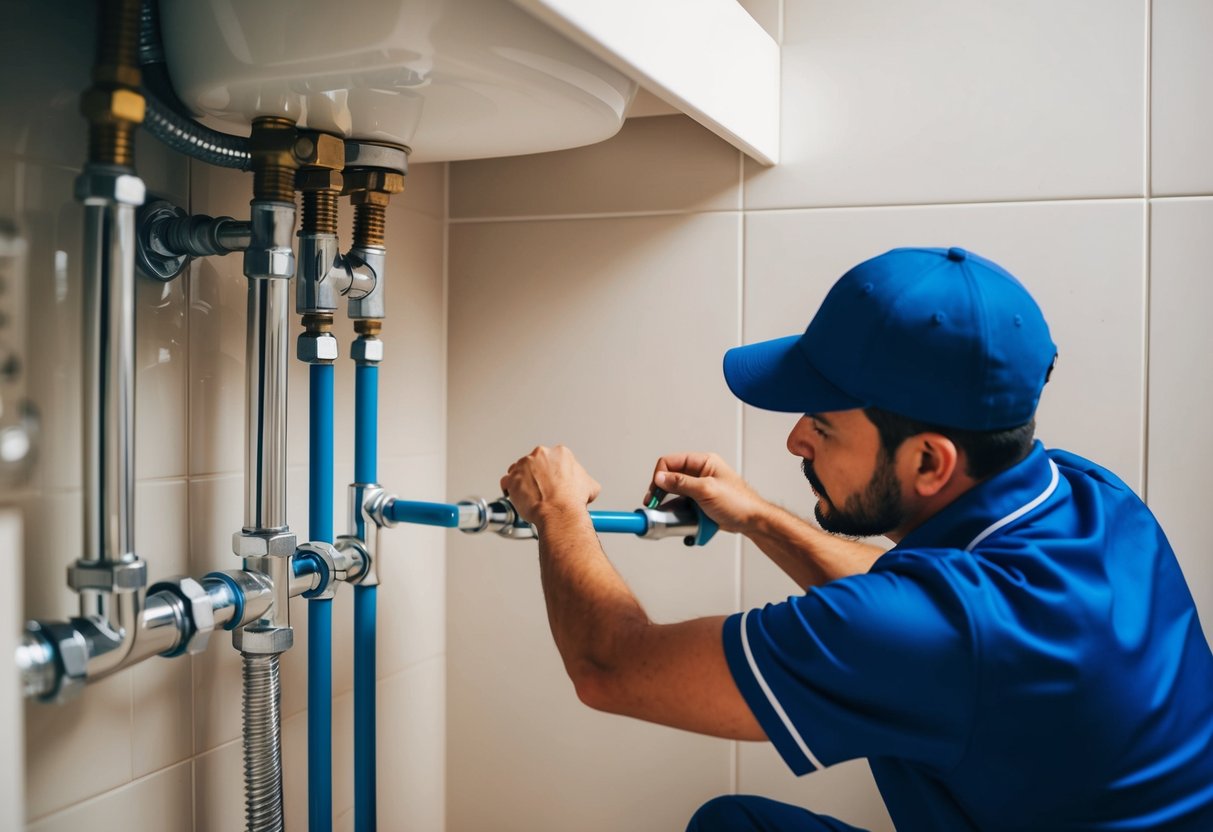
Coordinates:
989 506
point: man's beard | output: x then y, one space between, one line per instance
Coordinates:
875 510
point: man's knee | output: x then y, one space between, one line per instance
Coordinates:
750 813
721 813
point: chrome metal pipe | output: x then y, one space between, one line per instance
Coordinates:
268 349
109 387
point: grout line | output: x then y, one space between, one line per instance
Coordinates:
605 215
1147 255
1182 198
104 795
1068 200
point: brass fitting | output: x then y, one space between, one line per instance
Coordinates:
113 105
321 156
272 144
373 179
319 150
370 327
318 322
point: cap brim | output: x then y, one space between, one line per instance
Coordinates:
777 375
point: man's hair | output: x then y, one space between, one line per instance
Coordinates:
986 452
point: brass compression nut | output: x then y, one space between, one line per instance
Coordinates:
373 179
319 150
319 179
109 106
379 198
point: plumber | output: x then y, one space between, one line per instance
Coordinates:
1026 656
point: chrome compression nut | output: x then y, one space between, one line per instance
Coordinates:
263 640
127 576
317 347
71 656
103 184
367 350
199 612
260 545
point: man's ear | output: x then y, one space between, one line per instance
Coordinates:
933 460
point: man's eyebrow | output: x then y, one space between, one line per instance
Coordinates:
817 417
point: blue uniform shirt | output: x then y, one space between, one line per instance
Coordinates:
1028 658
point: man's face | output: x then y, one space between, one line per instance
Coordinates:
856 483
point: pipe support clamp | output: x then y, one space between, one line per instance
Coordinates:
104 576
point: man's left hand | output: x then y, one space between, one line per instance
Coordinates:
548 482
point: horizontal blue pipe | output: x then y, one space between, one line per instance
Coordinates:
426 514
623 522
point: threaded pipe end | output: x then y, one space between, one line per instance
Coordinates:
118 34
274 183
112 143
319 212
318 322
370 225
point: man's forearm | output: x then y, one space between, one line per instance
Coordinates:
808 555
591 610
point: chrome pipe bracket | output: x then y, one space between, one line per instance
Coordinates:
167 238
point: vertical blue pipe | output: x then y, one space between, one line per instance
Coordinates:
320 610
366 449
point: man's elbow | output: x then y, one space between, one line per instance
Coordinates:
593 686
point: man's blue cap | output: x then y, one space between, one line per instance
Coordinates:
939 335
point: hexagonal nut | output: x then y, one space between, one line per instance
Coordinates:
101 105
99 185
319 179
263 641
373 179
316 347
271 544
269 262
107 577
71 654
322 150
201 612
369 350
381 198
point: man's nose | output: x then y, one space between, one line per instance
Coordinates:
799 440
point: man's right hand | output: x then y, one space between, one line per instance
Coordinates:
709 481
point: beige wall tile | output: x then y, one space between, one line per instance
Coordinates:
218 294
219 790
609 340
164 802
1180 383
957 102
653 164
79 749
411 756
161 379
1181 88
52 223
411 602
162 689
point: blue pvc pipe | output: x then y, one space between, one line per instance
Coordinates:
366 428
364 709
624 522
320 610
425 514
366 449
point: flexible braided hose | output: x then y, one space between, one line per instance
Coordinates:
262 744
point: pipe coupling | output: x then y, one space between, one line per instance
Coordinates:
66 677
364 296
321 560
350 559
270 253
199 613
